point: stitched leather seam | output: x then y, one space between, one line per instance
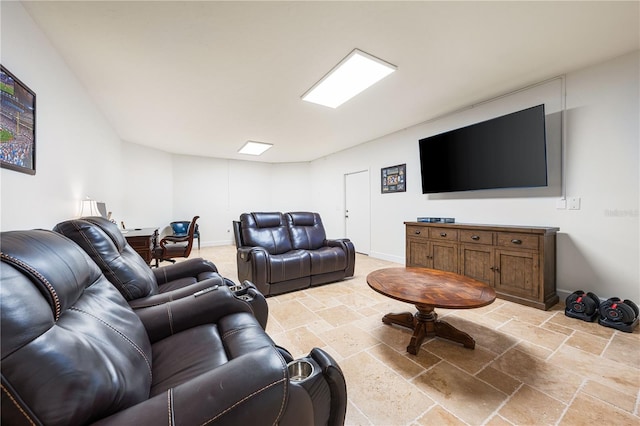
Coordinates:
52 290
18 406
118 332
150 305
164 276
100 259
170 315
237 330
170 407
285 388
243 400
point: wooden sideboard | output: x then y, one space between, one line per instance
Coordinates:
143 241
519 262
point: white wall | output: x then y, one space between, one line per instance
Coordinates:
148 190
220 190
75 148
597 247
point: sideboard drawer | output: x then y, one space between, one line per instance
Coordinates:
443 234
417 232
516 240
476 237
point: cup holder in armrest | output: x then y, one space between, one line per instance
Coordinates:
300 370
245 297
236 288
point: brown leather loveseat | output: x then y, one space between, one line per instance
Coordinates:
285 252
75 353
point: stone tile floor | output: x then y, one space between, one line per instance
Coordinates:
529 367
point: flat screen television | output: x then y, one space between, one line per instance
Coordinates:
504 152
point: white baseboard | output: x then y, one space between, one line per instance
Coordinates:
386 256
215 243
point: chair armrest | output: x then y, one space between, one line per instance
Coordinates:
337 385
250 389
173 239
179 293
203 307
188 268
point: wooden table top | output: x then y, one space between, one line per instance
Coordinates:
431 287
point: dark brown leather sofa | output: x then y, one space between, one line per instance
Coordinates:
141 285
285 252
75 353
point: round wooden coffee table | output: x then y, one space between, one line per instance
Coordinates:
428 289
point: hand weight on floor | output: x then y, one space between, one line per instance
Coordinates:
582 305
619 314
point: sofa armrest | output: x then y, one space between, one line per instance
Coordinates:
338 242
252 265
188 268
247 252
203 307
349 250
249 389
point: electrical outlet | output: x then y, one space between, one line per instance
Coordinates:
574 203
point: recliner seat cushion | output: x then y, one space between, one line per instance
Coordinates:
186 355
289 266
327 259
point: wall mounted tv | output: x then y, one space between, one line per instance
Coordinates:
504 152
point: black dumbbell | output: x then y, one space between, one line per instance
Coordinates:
582 305
619 314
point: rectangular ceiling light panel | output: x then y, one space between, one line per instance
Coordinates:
351 76
254 148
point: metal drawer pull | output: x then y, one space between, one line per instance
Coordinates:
475 237
416 232
516 241
443 234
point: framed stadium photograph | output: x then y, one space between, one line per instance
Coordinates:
17 124
394 179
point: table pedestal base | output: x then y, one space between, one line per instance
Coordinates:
424 323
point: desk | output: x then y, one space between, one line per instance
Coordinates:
143 241
428 289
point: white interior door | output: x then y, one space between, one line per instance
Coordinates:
357 210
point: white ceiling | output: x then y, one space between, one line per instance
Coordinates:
203 77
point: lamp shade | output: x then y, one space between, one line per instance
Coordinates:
89 208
